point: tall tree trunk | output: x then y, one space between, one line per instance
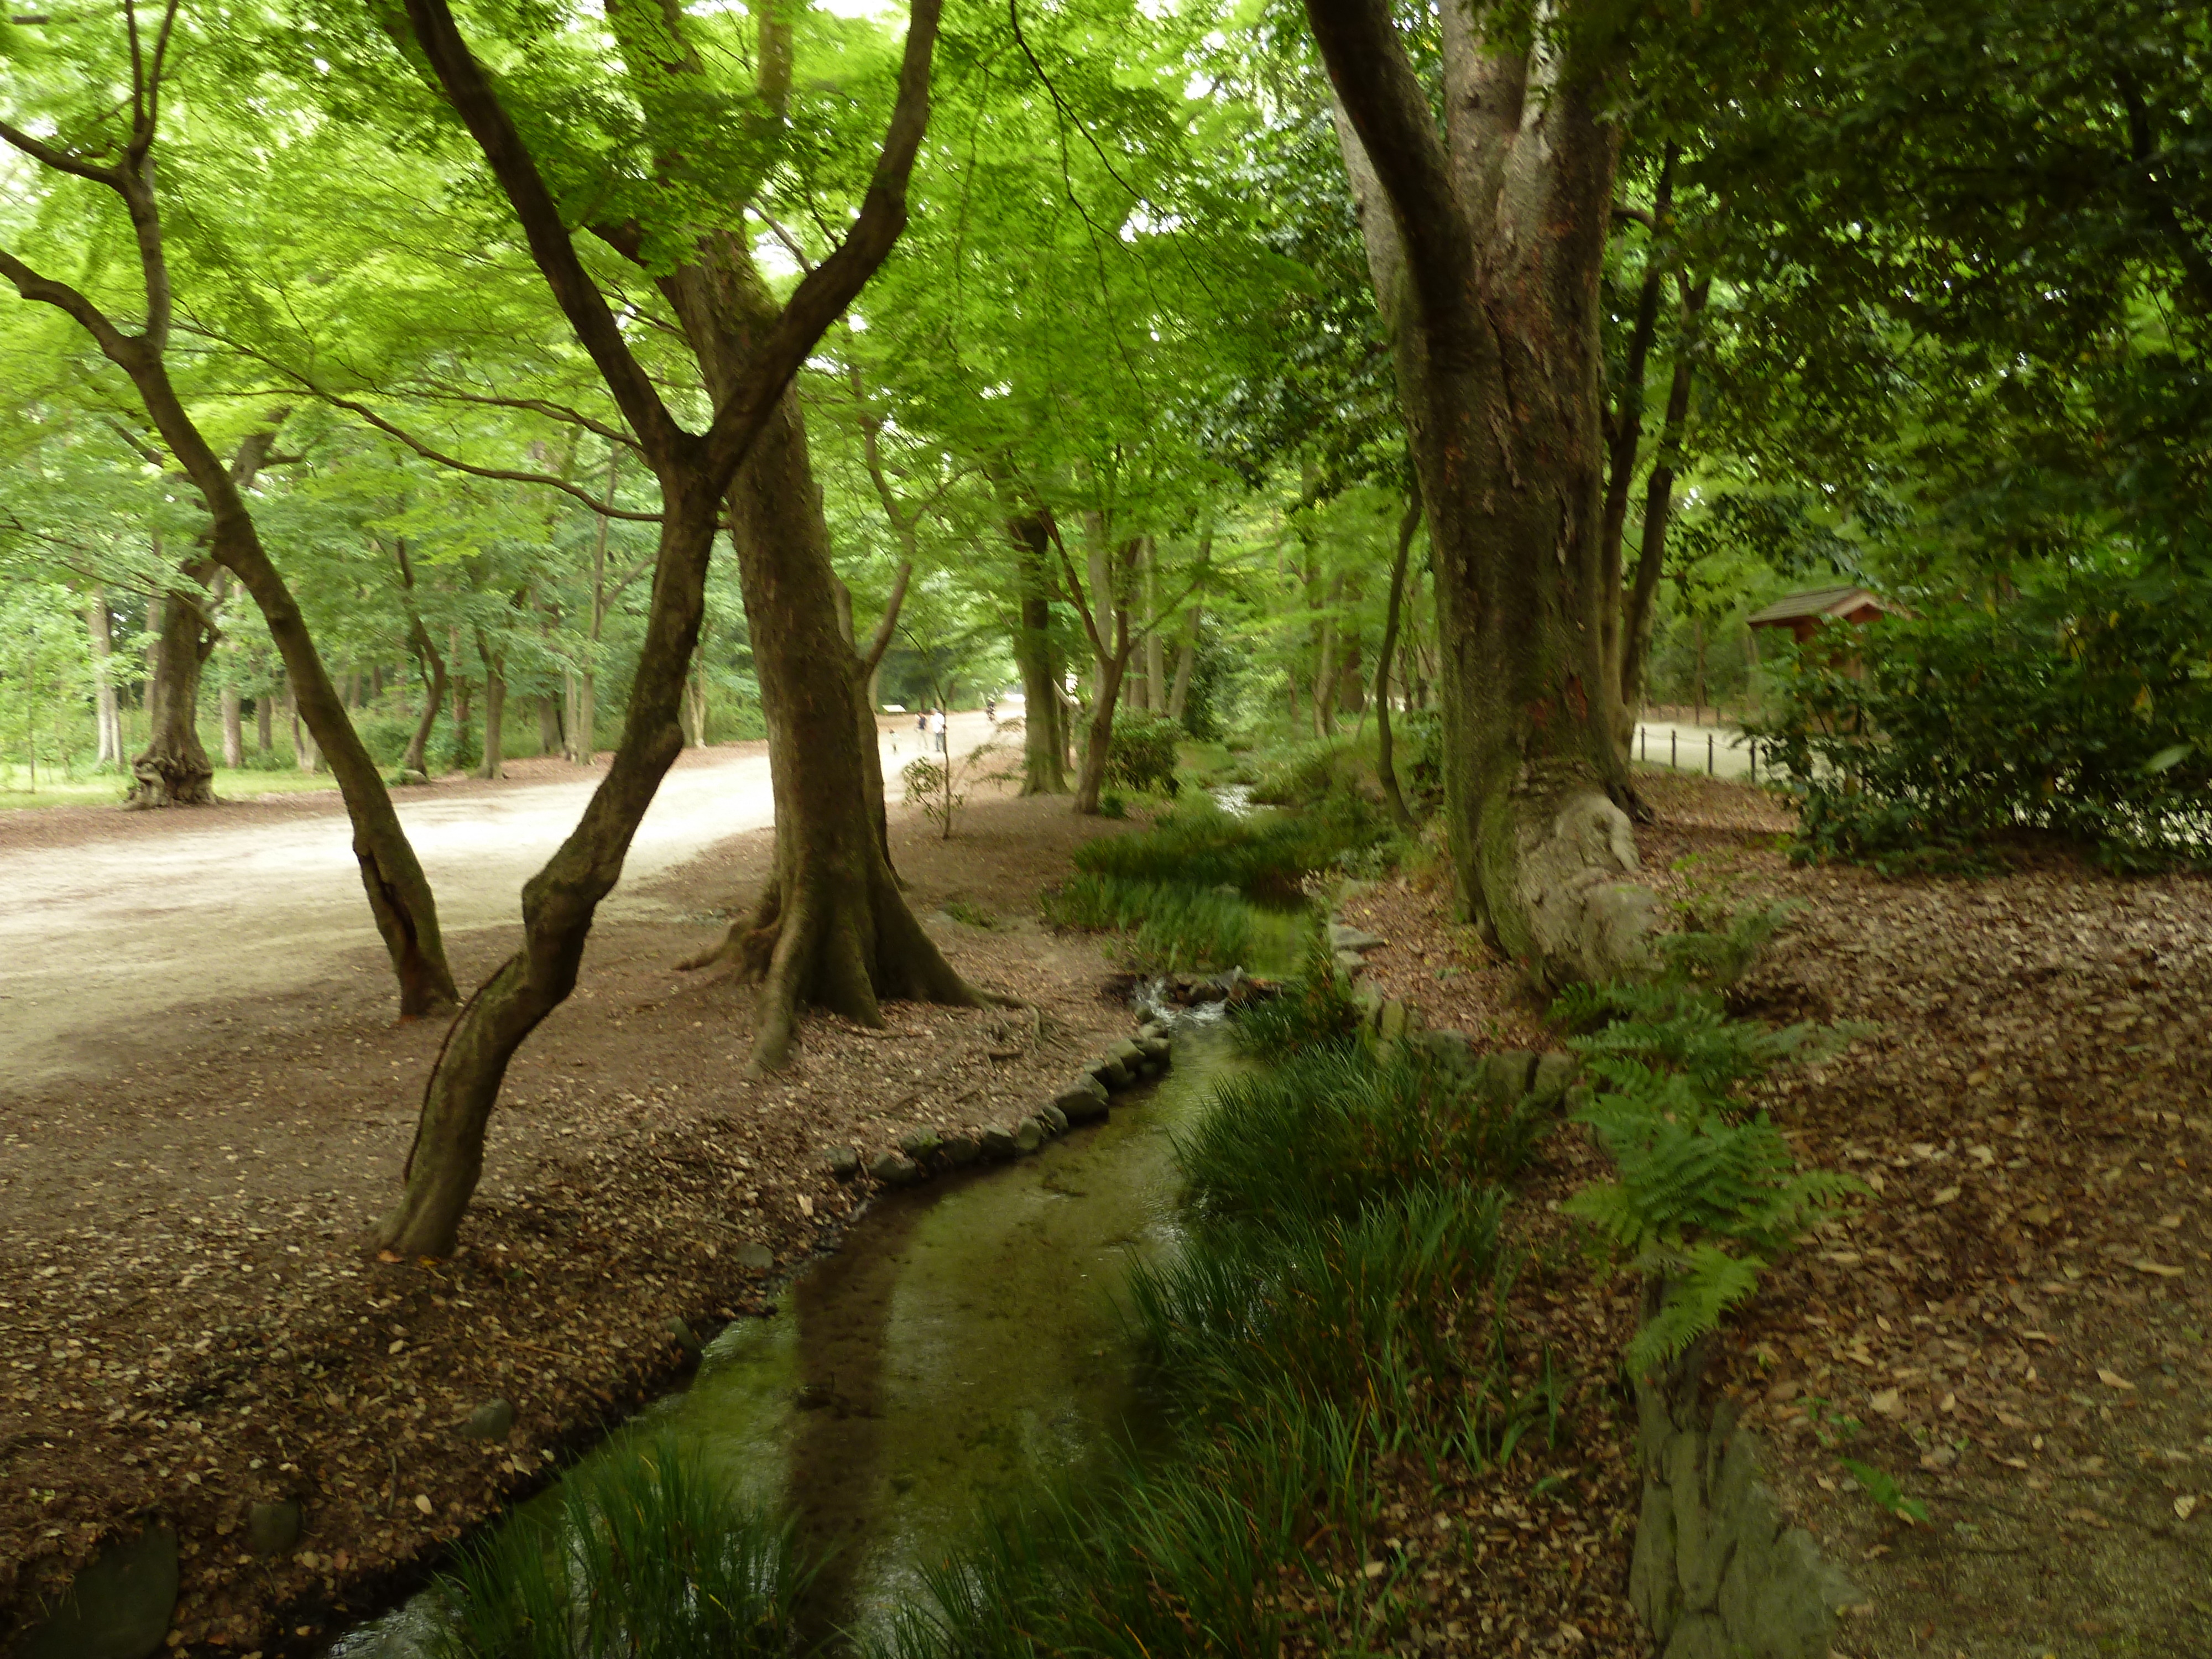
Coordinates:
1625 434
433 669
1043 750
265 726
233 727
464 729
173 768
1156 676
492 763
549 724
107 715
1099 736
1186 661
1385 770
1658 509
1486 242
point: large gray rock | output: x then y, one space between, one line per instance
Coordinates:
957 1151
1028 1135
1782 1600
1053 1118
999 1142
118 1607
1112 1072
1342 936
920 1145
844 1163
273 1529
493 1420
1702 1636
1390 1021
1652 1586
756 1257
1083 1101
1449 1047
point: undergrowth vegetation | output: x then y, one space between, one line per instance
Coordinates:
1335 1319
1705 1195
645 1555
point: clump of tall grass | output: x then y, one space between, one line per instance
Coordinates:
1333 1130
1168 926
645 1555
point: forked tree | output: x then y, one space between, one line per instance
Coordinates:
1485 238
833 926
113 147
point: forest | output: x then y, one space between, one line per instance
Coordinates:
1407 419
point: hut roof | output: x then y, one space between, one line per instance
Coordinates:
1822 602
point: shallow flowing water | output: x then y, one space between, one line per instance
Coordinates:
962 1347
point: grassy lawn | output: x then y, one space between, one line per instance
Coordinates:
106 789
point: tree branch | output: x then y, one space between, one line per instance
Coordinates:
825 292
605 509
118 347
882 641
473 99
1388 110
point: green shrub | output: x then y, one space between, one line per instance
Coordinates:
1298 777
645 1556
1170 926
386 736
1141 755
2081 708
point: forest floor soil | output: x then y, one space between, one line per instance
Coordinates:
189 1324
2013 1327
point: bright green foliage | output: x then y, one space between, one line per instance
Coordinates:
646 1556
1141 754
1702 1202
1333 1129
1168 926
1882 1487
1201 846
2083 708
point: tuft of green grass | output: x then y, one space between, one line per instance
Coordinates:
1168 926
644 1556
969 916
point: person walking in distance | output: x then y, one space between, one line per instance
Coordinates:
937 728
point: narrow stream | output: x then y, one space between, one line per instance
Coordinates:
962 1347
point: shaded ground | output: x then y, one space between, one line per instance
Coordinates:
2015 1327
188 1326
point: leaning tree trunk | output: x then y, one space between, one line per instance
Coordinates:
433 666
1098 737
173 768
1658 509
1044 770
1486 242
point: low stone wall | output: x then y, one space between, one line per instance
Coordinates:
1717 1573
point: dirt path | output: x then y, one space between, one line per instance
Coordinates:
189 1325
113 919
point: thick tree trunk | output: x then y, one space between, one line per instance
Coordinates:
1624 437
1486 243
1386 770
1043 751
174 769
549 724
832 930
106 713
264 726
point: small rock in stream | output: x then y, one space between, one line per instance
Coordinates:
686 1337
755 1258
895 1168
920 1145
1054 1120
1028 1135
